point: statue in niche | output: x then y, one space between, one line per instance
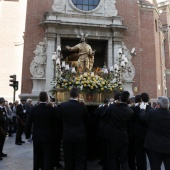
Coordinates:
59 6
85 55
37 67
110 9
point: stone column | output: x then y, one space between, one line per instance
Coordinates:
110 54
51 47
117 40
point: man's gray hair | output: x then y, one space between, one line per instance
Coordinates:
164 102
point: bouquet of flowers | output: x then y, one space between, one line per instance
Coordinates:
89 83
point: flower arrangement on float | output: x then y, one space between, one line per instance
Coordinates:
98 80
89 83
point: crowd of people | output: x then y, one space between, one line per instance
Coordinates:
12 120
127 131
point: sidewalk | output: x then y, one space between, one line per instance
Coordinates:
21 157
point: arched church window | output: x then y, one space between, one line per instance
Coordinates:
86 5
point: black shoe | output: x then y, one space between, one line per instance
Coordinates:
1 158
22 141
18 143
3 155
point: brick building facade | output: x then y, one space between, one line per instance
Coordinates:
140 25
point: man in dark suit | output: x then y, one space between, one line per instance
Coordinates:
21 119
140 129
131 134
75 121
100 129
157 139
117 117
3 118
44 118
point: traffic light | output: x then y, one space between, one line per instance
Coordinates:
15 85
12 80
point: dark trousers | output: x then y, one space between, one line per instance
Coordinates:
140 154
116 153
14 124
20 130
132 153
102 149
75 156
2 141
156 159
43 155
57 151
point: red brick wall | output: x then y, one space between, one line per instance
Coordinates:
34 34
131 36
141 34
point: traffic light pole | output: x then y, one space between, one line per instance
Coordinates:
14 96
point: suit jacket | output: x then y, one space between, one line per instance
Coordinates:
158 133
3 117
140 126
75 121
44 119
21 112
117 116
100 124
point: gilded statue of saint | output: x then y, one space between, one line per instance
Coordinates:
86 54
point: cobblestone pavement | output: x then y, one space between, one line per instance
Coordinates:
21 157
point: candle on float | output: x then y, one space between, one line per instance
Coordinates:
106 71
73 70
85 73
111 68
126 60
120 51
63 63
122 64
123 57
92 73
58 61
116 67
54 56
67 67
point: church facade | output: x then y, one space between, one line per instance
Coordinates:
139 28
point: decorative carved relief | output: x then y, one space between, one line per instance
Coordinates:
110 9
37 67
129 73
59 6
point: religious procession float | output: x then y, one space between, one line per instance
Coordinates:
77 70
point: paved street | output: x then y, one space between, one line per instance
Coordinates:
20 157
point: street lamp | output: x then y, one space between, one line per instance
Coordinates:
54 58
121 65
